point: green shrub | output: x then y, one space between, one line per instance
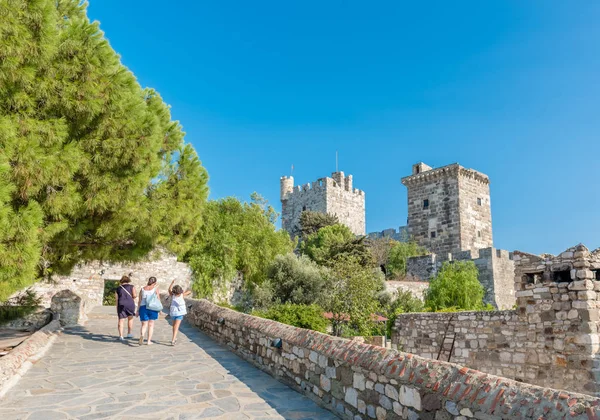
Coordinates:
19 306
301 316
455 287
296 279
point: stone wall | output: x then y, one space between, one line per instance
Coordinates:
357 380
551 339
417 288
400 235
87 280
335 195
495 267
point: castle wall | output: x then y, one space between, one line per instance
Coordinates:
348 206
475 211
551 339
87 279
308 197
356 380
400 235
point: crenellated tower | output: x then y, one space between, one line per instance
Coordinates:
335 195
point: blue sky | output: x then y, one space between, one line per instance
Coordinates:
510 88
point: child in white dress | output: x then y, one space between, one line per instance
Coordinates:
177 309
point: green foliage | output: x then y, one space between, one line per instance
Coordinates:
352 296
296 279
404 302
336 242
19 306
92 166
380 250
311 222
301 316
399 253
456 286
110 288
235 237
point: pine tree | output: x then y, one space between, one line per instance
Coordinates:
88 158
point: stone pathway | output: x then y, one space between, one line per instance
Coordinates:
87 374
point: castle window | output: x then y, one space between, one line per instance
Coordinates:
596 274
532 278
432 234
562 276
425 204
479 201
303 208
479 234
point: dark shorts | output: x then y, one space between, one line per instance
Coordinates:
147 314
125 312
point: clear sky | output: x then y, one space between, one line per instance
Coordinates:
510 88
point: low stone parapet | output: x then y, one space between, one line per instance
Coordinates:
357 380
14 365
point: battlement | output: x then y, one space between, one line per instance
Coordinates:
575 264
400 235
423 173
337 180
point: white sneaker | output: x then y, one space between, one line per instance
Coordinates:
120 338
129 336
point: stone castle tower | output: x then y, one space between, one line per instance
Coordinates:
333 195
449 208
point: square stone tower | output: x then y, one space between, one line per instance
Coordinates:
449 208
333 195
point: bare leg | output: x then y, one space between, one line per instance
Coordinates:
150 330
120 325
143 331
129 325
176 325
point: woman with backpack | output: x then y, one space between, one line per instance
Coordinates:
149 307
125 295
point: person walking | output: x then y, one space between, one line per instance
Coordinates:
148 316
125 295
177 309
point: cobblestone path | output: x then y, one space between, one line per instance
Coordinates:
87 374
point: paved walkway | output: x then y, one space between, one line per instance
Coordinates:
87 374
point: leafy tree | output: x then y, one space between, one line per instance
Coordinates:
380 250
85 150
334 242
235 237
404 302
399 254
296 279
455 286
352 297
301 316
311 222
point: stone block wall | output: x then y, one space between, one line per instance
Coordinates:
475 210
417 288
335 195
551 339
87 280
360 381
